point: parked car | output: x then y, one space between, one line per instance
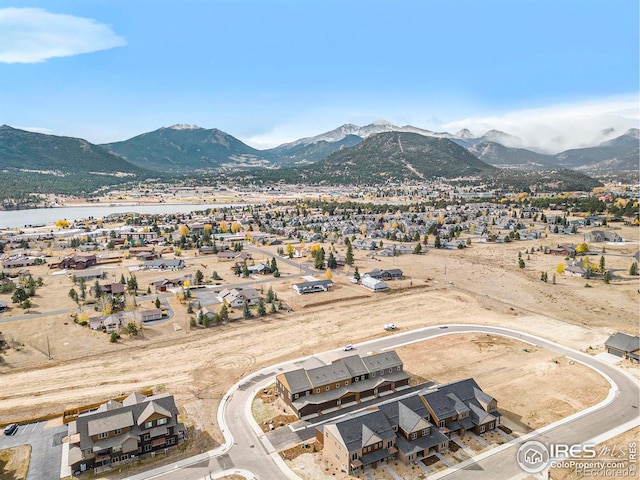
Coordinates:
11 429
348 347
353 280
390 326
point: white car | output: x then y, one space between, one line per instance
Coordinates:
348 347
390 326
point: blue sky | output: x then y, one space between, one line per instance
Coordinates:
553 72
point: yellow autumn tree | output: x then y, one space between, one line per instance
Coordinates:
224 227
235 227
63 223
184 230
99 223
207 227
289 249
327 274
560 268
582 247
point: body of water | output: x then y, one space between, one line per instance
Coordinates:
46 216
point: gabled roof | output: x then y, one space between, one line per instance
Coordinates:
355 365
110 405
368 436
297 380
151 409
410 421
109 423
335 372
382 361
624 342
351 428
135 397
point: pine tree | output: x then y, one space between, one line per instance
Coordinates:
349 256
262 309
633 269
246 311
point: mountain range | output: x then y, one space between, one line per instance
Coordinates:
348 154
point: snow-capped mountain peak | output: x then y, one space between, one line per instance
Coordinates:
465 133
184 126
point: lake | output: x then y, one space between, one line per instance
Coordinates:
44 216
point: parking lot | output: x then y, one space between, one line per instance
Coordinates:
45 439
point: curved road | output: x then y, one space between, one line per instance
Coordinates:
246 446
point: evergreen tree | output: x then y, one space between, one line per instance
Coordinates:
331 261
633 269
273 307
417 249
521 263
270 296
262 309
607 277
274 264
157 302
349 256
437 243
602 263
224 313
246 311
356 274
198 277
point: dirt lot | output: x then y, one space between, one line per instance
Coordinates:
14 462
616 450
198 366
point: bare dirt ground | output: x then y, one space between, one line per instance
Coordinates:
199 365
14 462
620 450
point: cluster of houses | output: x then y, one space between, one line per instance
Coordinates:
117 432
408 427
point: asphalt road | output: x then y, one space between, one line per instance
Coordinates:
46 448
251 450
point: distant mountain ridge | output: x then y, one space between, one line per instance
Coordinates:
395 156
184 147
54 164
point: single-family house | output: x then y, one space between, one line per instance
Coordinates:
236 298
312 286
149 315
164 264
78 262
389 274
625 346
374 284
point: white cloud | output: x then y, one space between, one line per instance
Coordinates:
560 127
31 35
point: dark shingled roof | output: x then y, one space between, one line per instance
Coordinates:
624 342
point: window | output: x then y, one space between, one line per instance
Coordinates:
146 437
147 448
117 431
481 428
389 444
295 397
357 379
327 388
171 441
307 393
161 421
124 457
354 456
337 385
346 382
441 423
391 370
317 390
373 374
414 435
148 424
491 426
103 435
398 368
139 449
362 377
425 432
